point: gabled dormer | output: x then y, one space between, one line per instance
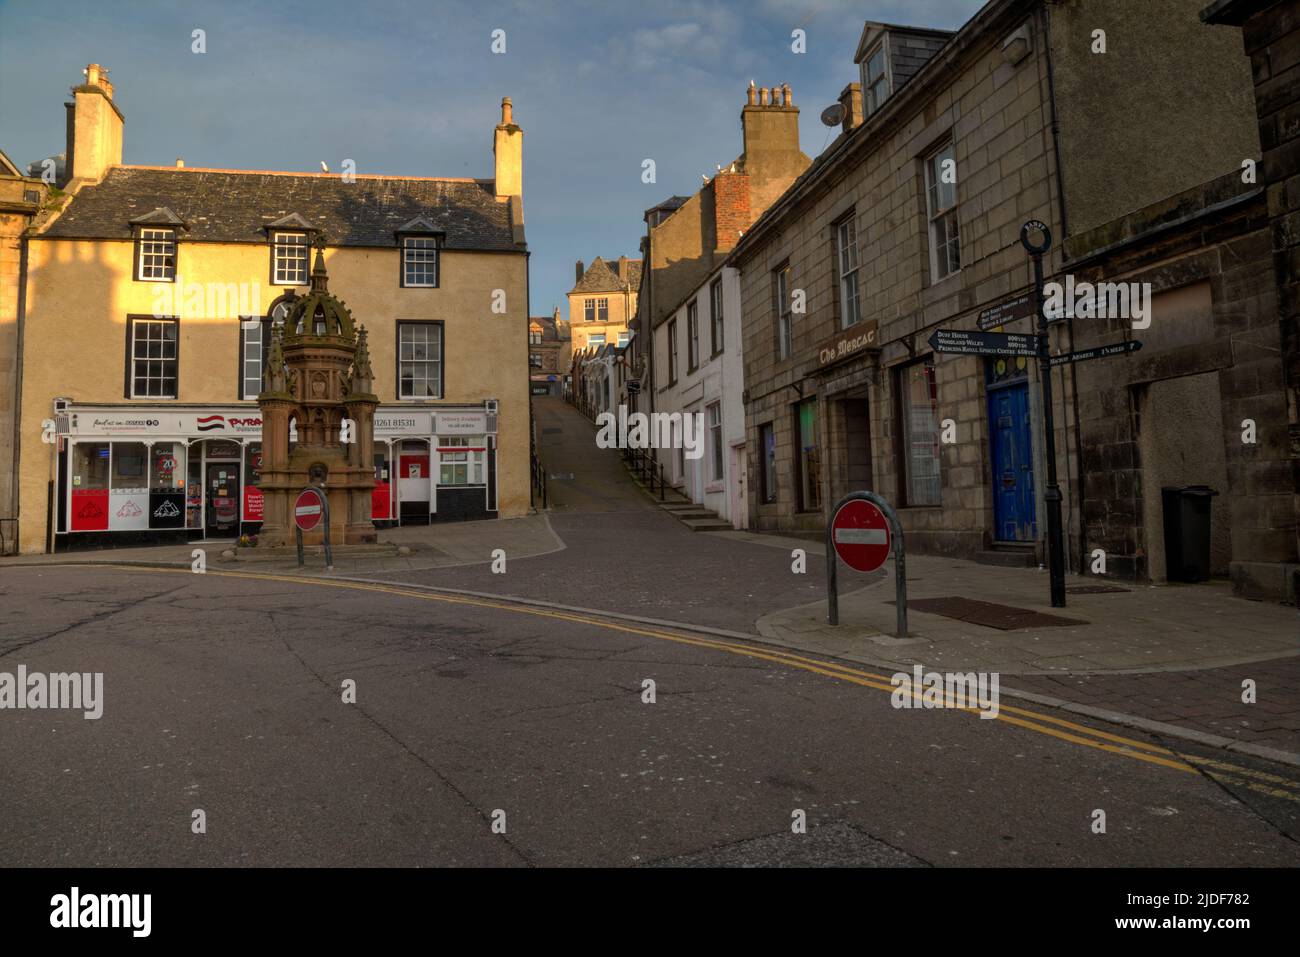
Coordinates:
290 238
155 235
419 243
889 55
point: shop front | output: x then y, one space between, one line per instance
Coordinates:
131 474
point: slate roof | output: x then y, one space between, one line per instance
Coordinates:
603 276
550 332
235 206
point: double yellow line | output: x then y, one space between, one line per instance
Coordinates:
1270 784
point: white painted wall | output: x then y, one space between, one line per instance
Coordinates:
720 379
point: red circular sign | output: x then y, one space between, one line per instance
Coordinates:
861 536
308 509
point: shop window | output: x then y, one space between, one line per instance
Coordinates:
461 460
90 465
128 467
152 349
165 469
419 360
919 406
155 255
289 259
767 463
809 463
420 261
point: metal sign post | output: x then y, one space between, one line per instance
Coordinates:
310 508
855 536
1052 494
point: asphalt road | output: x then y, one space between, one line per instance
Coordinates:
222 693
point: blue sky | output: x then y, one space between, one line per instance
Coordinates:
413 88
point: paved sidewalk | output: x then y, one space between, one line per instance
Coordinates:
1142 629
444 545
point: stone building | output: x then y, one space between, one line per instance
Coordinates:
1270 31
550 348
1083 116
602 300
150 301
694 310
21 198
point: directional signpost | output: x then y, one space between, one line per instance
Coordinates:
1015 308
983 343
1099 352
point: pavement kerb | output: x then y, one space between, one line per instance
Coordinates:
1103 714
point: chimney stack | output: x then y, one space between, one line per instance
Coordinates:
622 268
94 128
508 150
578 272
851 102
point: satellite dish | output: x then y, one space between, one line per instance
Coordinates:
833 115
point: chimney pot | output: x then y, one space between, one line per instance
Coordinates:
180 163
507 111
763 94
787 96
752 94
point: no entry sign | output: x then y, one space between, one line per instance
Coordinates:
860 534
307 509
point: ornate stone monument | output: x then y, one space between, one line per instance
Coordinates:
318 377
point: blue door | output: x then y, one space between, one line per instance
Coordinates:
1013 462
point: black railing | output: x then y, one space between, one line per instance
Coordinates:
538 472
651 473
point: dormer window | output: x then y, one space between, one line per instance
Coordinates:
289 259
875 80
420 261
155 254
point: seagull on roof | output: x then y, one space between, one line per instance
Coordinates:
324 166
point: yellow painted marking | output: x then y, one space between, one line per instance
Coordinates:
1075 734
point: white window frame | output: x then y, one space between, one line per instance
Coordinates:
422 259
138 341
250 360
846 251
784 314
692 335
407 357
944 235
596 339
714 422
716 317
470 464
290 259
156 256
876 92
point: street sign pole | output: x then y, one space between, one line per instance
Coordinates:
1052 494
